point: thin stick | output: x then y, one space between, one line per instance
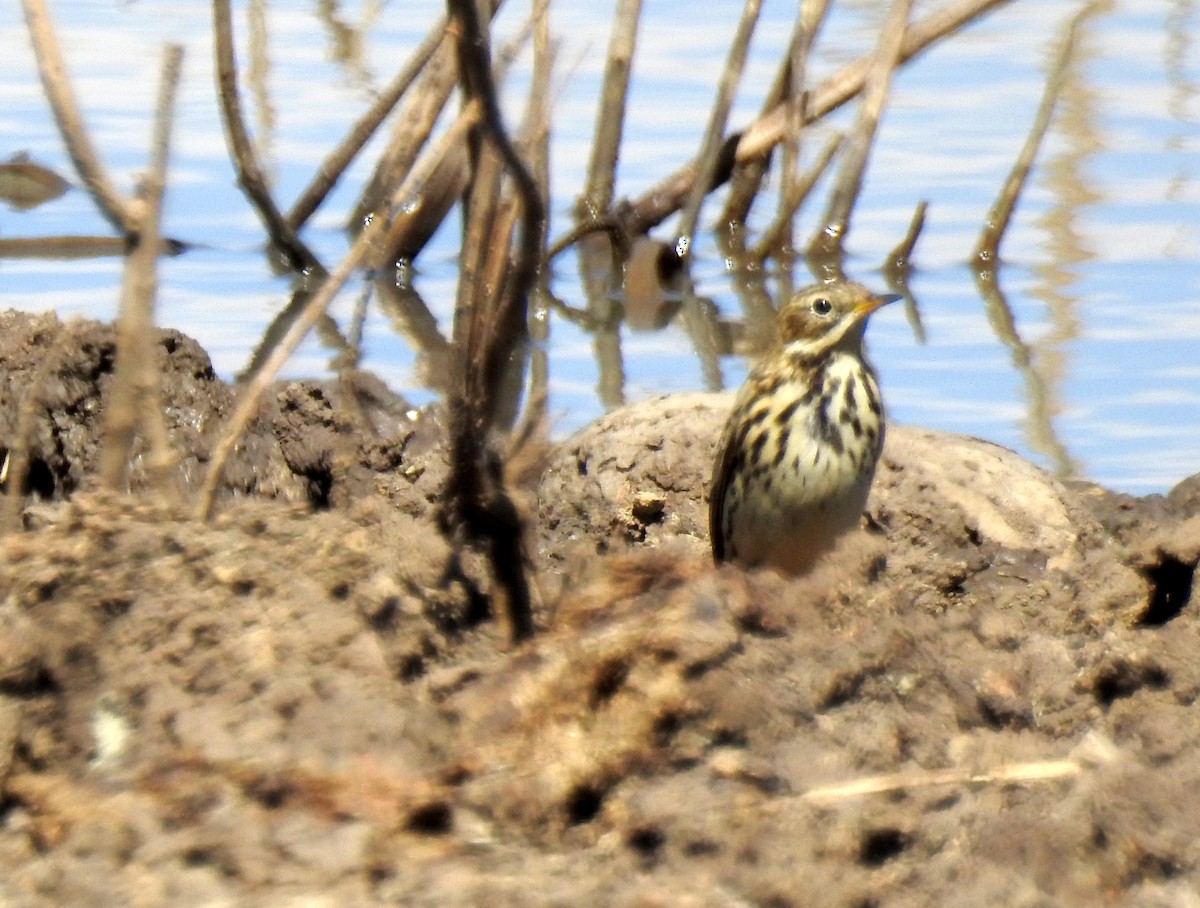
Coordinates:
988 247
250 174
57 86
134 397
257 385
828 243
477 504
339 159
706 167
666 198
610 115
1037 771
776 232
413 125
748 179
539 141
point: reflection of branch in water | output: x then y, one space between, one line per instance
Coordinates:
1178 57
598 275
898 267
700 322
1001 212
345 42
1064 174
1042 406
750 284
258 74
411 318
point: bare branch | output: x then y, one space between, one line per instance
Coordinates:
258 383
134 397
610 115
57 85
250 175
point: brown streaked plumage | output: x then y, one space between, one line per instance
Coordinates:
800 448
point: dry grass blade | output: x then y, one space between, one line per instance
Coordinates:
610 116
1040 392
314 309
827 245
250 174
988 248
57 85
1014 773
488 329
334 166
133 397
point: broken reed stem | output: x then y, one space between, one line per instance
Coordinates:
134 398
610 115
988 247
827 245
714 137
250 175
747 180
412 126
535 414
57 85
411 229
1037 771
314 309
477 505
667 197
339 159
776 234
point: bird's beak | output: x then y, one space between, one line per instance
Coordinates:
875 301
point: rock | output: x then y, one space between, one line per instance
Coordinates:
640 476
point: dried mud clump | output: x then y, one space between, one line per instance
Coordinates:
985 697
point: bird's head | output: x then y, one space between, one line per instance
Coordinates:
826 316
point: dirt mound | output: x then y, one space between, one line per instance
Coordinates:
986 697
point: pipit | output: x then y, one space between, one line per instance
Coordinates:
799 451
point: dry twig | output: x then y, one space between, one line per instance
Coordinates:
134 395
339 159
250 175
57 86
664 199
610 115
1014 773
709 160
488 328
827 245
314 309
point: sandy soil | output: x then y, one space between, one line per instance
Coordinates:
986 697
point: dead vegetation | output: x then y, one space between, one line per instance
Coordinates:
498 174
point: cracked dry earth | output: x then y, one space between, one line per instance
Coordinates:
987 697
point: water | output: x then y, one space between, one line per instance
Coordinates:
1100 267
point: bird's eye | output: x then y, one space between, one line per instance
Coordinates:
822 306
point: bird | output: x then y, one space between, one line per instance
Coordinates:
799 451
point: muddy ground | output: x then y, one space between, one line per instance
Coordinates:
987 697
